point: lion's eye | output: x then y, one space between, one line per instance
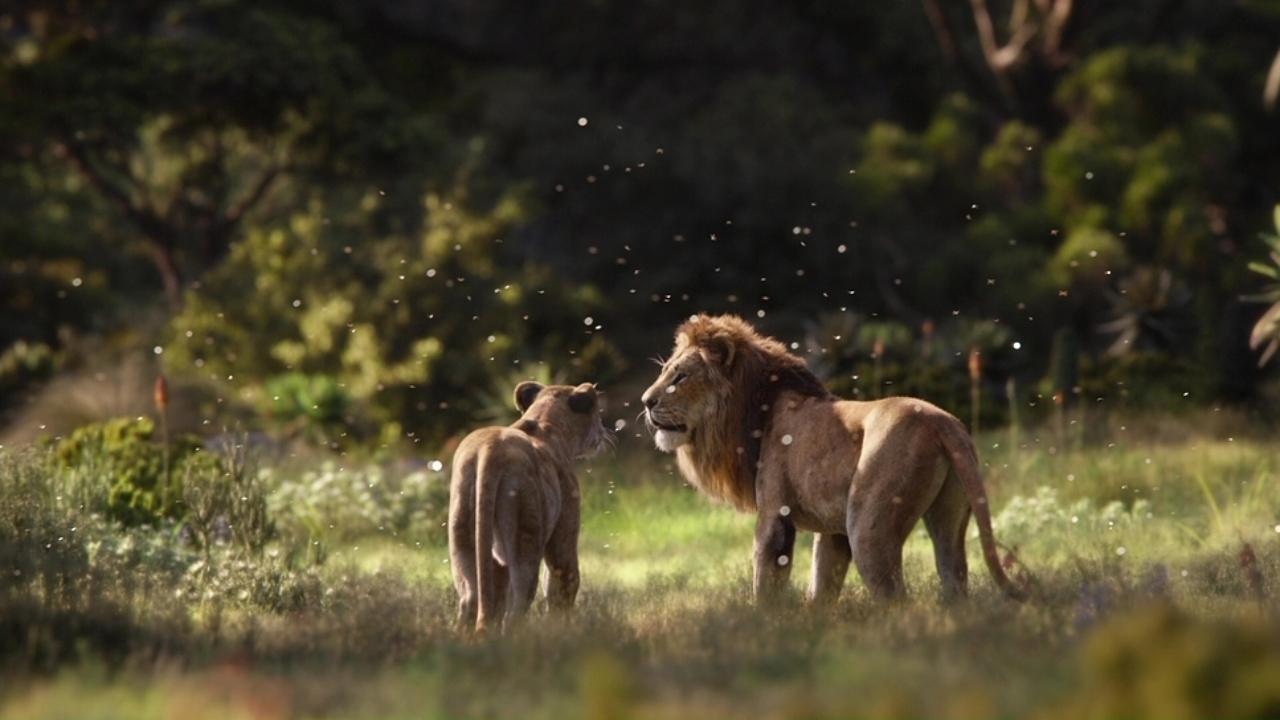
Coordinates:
680 377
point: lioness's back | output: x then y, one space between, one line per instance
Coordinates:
508 448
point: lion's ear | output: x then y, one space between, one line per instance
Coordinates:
719 350
526 393
583 398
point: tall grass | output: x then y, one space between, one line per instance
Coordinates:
140 623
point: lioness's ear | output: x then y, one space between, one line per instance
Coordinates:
719 351
526 393
583 398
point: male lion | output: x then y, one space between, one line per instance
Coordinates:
751 425
514 501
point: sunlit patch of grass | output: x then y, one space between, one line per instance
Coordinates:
633 534
1156 503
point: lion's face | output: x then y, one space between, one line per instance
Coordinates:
688 392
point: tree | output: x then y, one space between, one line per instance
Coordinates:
401 332
183 122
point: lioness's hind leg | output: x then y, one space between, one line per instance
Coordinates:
526 560
501 590
947 519
467 609
562 562
462 561
831 556
524 581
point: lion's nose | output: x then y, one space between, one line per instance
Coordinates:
650 398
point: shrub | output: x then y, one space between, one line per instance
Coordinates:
1160 662
268 583
1025 518
313 405
118 456
225 499
336 503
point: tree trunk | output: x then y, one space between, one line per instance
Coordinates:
170 274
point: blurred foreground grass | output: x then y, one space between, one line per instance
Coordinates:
1158 561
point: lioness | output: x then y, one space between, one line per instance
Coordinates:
514 501
751 425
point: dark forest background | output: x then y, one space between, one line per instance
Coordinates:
363 222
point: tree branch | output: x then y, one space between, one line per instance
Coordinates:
941 30
236 212
157 234
1022 27
973 73
144 217
1056 19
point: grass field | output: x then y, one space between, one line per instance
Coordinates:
1156 557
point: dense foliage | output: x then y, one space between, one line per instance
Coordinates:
357 221
119 454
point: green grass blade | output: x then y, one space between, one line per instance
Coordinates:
1214 510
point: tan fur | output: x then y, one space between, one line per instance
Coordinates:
752 426
514 501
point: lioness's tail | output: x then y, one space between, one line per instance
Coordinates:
486 501
964 463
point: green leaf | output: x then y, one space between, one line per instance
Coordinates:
1266 334
1276 217
1265 269
1269 297
1269 353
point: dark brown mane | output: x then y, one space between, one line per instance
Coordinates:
723 459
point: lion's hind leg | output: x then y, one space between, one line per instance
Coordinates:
887 500
878 558
831 556
947 520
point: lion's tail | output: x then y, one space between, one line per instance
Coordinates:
486 508
964 463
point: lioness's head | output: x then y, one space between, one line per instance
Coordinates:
693 387
574 412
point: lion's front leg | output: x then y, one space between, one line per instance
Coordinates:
775 541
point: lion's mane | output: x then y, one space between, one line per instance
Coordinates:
723 454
